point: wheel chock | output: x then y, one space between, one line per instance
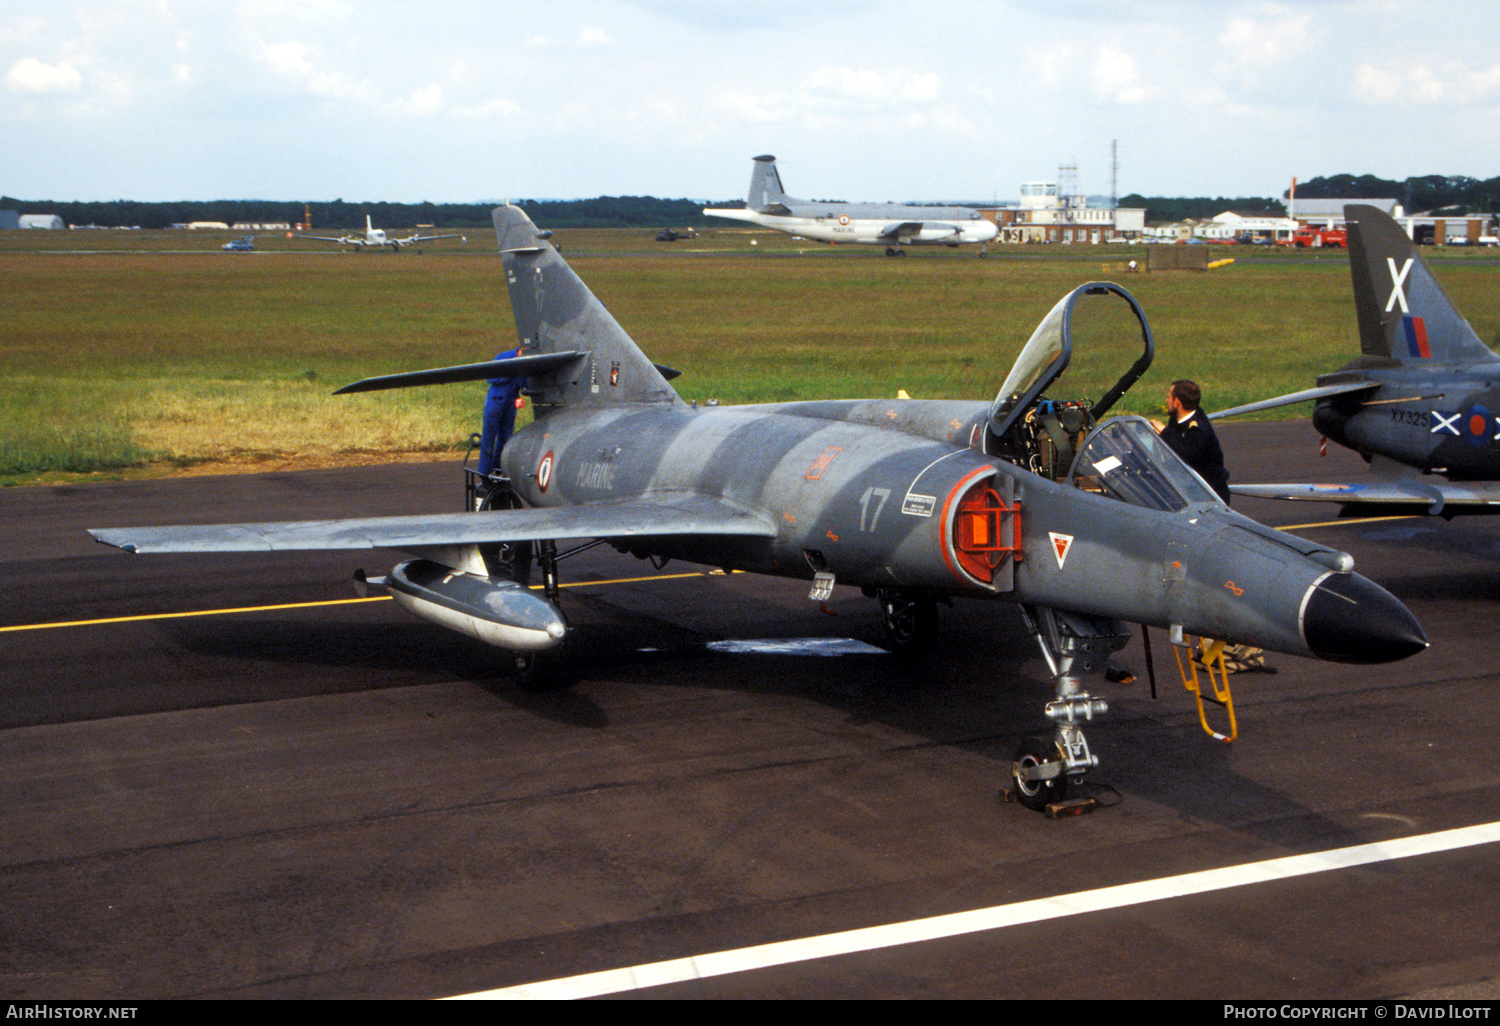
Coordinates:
1056 810
1071 807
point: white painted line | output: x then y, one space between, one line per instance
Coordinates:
762 956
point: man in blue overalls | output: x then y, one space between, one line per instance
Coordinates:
499 417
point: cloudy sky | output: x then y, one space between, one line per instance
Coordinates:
465 100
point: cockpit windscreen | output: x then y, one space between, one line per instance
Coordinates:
1127 460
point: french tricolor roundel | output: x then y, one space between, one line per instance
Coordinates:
843 219
1061 544
544 471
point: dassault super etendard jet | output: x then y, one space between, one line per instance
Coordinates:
883 224
1085 527
1421 399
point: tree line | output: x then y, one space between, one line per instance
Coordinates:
1447 193
338 215
1450 194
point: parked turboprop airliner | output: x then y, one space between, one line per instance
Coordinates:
890 224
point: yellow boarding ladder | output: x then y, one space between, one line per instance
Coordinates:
1209 655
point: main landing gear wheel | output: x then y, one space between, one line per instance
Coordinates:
911 624
540 672
1038 794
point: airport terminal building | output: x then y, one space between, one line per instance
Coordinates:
1045 215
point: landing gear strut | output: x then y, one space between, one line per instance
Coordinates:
511 560
538 671
548 670
1073 645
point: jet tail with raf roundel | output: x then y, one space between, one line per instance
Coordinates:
1418 400
1405 317
1404 314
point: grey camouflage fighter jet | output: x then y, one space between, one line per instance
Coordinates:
1421 399
884 224
1085 527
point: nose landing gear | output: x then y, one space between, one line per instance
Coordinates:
1073 645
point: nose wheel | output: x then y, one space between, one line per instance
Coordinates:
1073 645
1037 774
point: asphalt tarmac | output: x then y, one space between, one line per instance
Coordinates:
269 799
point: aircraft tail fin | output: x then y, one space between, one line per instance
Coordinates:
1404 314
557 314
765 185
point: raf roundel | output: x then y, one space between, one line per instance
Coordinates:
1479 424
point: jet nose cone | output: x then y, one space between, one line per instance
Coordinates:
1351 619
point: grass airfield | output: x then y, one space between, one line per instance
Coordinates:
137 353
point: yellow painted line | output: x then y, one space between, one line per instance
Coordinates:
312 605
1353 520
199 612
636 580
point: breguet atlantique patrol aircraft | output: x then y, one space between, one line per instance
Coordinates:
376 238
1421 399
1085 527
880 224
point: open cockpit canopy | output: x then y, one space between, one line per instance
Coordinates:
1092 333
1104 326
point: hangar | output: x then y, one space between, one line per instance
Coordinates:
1424 229
52 221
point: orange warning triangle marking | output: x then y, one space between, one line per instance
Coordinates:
1061 543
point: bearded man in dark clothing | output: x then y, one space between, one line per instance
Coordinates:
1190 434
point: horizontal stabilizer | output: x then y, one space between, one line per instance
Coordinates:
516 367
694 515
732 213
1304 396
1431 496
